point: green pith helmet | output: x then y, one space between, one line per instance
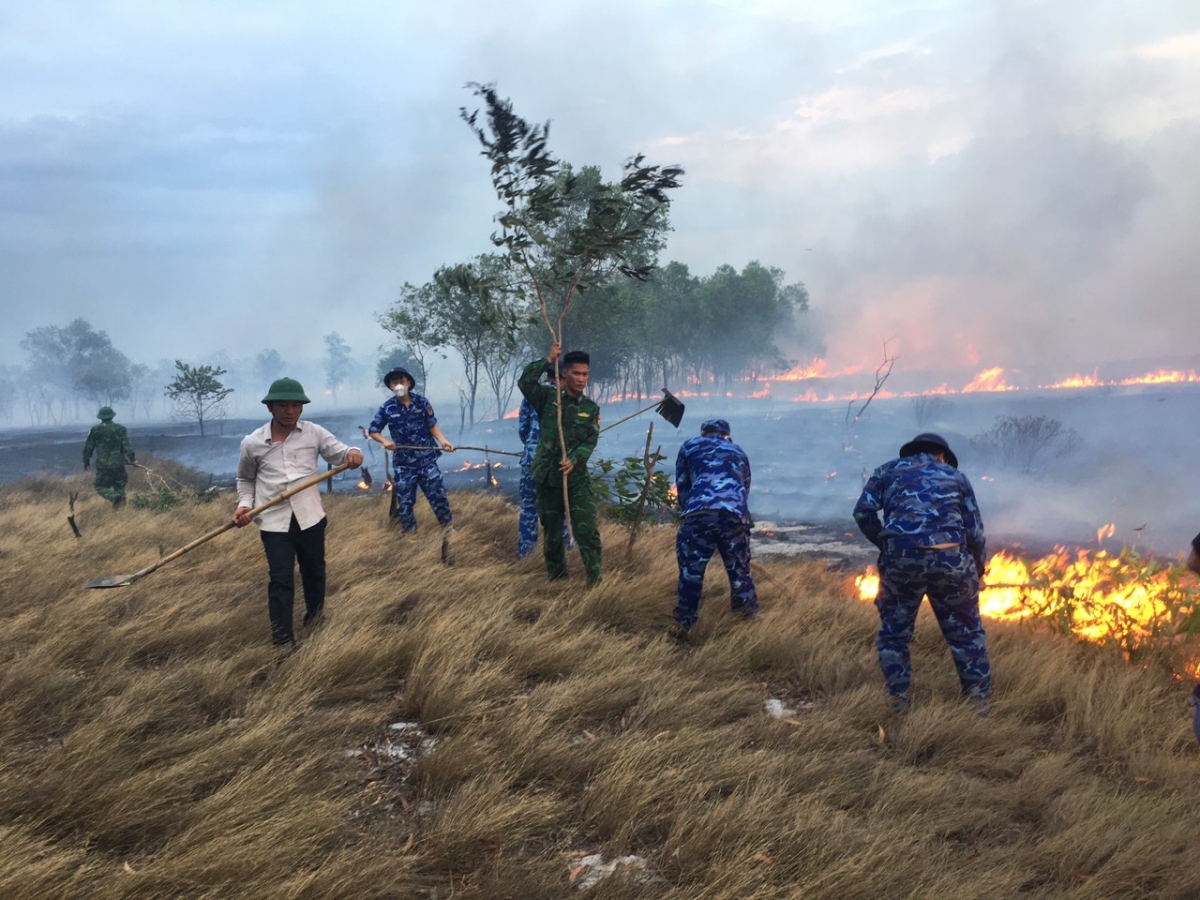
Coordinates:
286 389
106 413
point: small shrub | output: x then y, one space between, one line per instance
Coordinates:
928 407
1025 443
619 487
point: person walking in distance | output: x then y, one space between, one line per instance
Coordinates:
110 444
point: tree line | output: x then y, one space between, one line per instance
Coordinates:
71 370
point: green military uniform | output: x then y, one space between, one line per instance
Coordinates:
581 428
110 442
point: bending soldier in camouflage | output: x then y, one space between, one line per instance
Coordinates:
581 430
931 543
110 442
712 475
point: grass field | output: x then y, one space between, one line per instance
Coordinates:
153 744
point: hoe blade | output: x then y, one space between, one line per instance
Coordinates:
670 408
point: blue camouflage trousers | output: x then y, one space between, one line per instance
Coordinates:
527 524
950 580
701 535
428 477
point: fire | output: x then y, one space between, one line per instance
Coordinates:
363 486
1164 377
1134 603
988 380
513 413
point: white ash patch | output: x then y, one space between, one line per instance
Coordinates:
589 871
405 742
830 543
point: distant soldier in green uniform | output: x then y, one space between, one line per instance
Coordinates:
110 442
581 430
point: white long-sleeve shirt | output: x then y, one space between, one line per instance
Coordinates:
266 469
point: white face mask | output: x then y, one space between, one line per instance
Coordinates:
400 390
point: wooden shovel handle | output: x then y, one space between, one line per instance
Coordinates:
290 492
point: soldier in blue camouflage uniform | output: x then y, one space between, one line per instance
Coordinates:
529 430
712 475
581 430
931 543
110 442
412 423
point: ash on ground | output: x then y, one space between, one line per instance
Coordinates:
841 550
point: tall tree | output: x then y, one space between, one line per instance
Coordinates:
413 318
76 361
198 392
396 358
268 365
337 362
564 233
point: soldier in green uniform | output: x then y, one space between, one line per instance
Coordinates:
110 442
581 430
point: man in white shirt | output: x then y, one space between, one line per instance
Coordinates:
272 459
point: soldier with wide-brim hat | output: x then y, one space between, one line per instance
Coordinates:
928 442
921 512
416 441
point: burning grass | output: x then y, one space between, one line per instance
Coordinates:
1142 606
155 746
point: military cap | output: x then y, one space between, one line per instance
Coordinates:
287 389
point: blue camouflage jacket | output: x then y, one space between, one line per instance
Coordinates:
924 502
408 426
528 430
712 473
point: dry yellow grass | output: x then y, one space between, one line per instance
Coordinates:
154 745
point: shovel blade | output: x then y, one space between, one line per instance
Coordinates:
111 581
670 408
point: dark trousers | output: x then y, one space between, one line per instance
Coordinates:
284 549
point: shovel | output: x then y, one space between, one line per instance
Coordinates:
669 407
112 581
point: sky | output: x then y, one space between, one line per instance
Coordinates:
976 183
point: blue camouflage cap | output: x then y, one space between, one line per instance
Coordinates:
715 426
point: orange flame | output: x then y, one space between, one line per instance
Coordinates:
1122 600
988 380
